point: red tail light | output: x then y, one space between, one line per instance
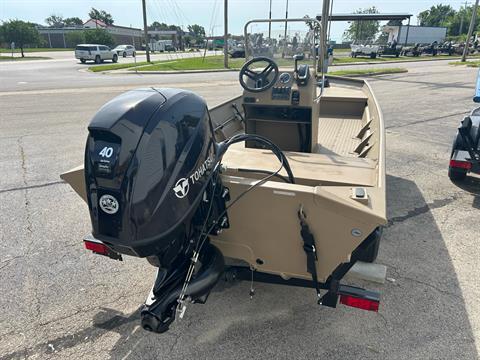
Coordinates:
364 304
460 164
96 247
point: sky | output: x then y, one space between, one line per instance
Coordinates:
208 13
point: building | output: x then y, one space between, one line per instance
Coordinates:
122 35
55 37
415 34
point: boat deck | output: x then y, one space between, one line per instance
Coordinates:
341 119
338 135
311 169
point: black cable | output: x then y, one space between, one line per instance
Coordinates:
258 183
263 172
223 146
221 150
238 112
215 181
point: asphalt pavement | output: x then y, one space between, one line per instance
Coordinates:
59 301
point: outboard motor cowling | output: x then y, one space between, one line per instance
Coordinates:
154 190
148 159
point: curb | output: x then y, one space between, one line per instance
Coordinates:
398 61
168 72
375 74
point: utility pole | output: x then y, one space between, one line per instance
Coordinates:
285 34
225 34
270 24
470 31
145 30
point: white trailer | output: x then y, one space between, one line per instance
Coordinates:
162 45
416 34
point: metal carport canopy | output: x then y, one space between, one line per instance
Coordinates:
379 17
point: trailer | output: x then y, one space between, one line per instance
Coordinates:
162 45
465 155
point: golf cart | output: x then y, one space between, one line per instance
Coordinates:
283 184
237 50
430 49
368 49
446 48
465 155
391 49
415 50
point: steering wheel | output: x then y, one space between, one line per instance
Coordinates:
262 80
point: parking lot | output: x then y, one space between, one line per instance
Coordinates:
60 301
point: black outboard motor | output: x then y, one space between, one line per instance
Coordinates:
151 172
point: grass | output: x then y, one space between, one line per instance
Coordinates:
216 63
194 63
475 64
17 51
197 63
16 58
209 63
108 67
368 72
350 60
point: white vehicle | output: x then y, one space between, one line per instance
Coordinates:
94 52
125 50
162 45
236 49
370 50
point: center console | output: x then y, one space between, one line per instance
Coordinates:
282 114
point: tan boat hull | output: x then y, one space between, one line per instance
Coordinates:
264 227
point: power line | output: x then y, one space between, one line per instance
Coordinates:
213 18
182 13
162 17
173 11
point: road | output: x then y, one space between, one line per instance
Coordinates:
59 301
64 71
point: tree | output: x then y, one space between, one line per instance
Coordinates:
94 14
363 29
99 36
101 15
437 15
158 26
73 38
197 32
459 22
21 33
72 21
189 40
55 20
